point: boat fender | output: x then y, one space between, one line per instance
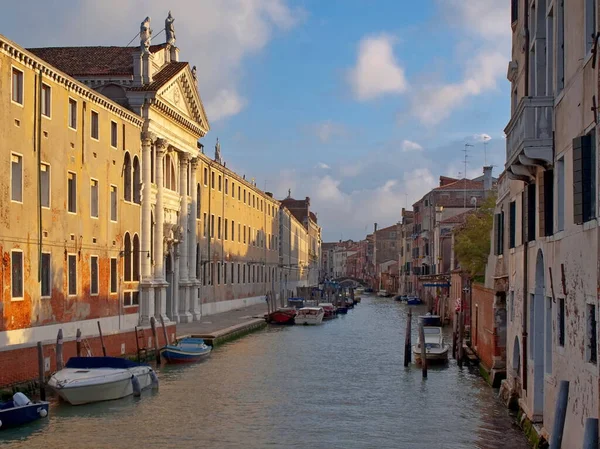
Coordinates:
154 378
42 412
135 385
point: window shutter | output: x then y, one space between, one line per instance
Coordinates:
587 165
496 234
531 212
541 205
578 180
549 202
513 224
524 213
501 234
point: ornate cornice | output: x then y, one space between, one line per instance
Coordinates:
29 60
177 117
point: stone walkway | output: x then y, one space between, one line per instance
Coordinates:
212 324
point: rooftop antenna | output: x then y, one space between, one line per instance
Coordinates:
466 151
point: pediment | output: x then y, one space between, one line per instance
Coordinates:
181 94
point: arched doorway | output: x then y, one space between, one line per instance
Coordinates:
169 279
537 334
516 358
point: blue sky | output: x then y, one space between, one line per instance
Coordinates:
359 104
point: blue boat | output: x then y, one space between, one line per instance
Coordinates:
187 350
413 301
21 411
342 310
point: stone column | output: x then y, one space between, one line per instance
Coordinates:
147 293
159 258
195 309
184 286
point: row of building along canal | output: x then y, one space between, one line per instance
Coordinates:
341 384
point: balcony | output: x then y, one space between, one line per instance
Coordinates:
529 137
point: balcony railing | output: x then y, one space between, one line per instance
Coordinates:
529 132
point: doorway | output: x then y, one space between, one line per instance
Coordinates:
537 333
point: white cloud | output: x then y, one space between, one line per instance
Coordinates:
408 145
217 36
483 137
485 28
328 130
323 166
376 71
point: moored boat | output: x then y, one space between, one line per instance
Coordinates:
187 350
95 379
20 410
329 310
435 348
413 301
343 310
284 315
296 303
310 315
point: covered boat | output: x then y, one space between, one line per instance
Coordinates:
296 303
20 410
310 315
435 348
95 379
187 350
283 315
413 301
329 309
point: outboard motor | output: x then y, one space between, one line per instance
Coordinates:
20 400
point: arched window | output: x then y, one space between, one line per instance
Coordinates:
127 177
136 258
137 182
170 179
127 258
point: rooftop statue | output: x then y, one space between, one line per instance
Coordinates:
170 29
145 35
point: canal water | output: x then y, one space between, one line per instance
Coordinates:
338 385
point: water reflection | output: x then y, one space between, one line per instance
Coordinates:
338 385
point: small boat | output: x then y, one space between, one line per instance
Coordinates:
187 350
20 410
296 303
329 309
95 379
343 310
413 301
310 315
382 293
436 349
283 315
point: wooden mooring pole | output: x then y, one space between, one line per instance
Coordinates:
40 350
59 351
461 330
423 350
560 415
101 339
407 345
78 342
155 339
454 336
164 328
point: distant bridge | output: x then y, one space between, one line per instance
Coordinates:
347 281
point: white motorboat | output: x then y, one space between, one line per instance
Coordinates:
435 348
95 379
382 293
310 315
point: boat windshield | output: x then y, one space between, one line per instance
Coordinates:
431 330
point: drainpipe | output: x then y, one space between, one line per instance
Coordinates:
525 243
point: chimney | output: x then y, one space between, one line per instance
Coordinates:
487 178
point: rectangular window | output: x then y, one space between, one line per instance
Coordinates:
584 178
212 274
94 274
17 86
592 346
219 228
233 231
72 113
560 47
514 10
205 224
113 134
16 190
45 184
244 234
212 179
218 273
203 274
225 273
226 228
548 212
244 196
238 273
94 198
46 282
560 194
219 183
113 275
205 176
232 272
212 226
94 126
113 203
233 190
561 321
72 274
512 306
244 274
72 192
17 274
512 224
239 233
590 25
46 100
498 234
239 193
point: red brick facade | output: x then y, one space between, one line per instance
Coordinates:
488 326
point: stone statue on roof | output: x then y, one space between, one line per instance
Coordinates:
170 29
145 35
218 151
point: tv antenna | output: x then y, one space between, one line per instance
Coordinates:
466 151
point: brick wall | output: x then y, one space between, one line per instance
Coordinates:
483 324
21 365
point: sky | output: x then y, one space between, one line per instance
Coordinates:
360 105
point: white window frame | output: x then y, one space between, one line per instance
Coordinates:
116 135
22 103
49 171
116 204
92 180
22 297
42 296
69 255
75 197
46 103
92 112
20 156
70 115
92 257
